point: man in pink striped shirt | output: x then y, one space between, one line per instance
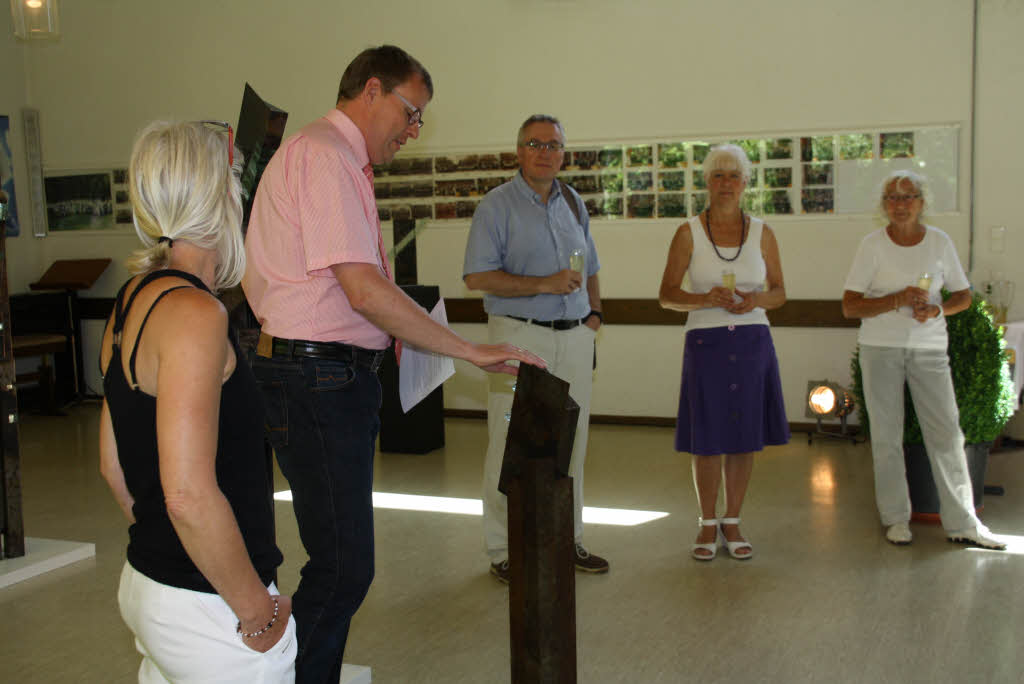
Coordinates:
319 282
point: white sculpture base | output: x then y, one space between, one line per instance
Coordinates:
355 674
42 556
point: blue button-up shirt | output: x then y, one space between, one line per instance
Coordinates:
515 232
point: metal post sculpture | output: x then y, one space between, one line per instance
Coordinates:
534 477
12 529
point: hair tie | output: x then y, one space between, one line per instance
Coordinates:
164 238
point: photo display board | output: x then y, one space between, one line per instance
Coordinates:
793 174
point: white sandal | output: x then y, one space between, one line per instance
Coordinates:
734 546
711 547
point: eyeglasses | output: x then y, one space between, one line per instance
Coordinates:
537 145
224 126
894 199
416 115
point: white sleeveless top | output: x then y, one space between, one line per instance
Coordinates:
706 268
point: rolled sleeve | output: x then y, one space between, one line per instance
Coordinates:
484 246
953 277
862 270
593 264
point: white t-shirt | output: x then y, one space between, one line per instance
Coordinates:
706 268
881 267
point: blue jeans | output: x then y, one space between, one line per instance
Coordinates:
322 420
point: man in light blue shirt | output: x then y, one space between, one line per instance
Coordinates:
531 253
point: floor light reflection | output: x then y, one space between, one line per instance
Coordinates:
1014 544
445 504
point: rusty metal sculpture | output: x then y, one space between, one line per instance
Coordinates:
534 477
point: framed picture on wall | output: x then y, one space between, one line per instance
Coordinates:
78 201
7 178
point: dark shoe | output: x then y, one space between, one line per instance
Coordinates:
588 562
501 571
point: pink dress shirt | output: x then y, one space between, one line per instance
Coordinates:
314 208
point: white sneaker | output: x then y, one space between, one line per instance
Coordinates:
899 534
979 536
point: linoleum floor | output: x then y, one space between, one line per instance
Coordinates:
825 599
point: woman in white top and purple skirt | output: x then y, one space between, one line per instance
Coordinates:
731 397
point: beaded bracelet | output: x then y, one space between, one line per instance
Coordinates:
261 631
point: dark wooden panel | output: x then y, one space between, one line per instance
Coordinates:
640 312
796 313
811 313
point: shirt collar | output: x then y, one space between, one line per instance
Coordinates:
351 133
524 187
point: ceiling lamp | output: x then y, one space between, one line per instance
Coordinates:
35 19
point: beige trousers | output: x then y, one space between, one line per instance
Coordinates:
570 356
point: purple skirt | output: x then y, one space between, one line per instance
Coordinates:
731 396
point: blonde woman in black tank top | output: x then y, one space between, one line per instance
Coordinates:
181 428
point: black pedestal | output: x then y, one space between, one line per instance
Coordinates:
422 428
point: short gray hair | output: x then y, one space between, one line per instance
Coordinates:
181 187
539 118
919 182
727 157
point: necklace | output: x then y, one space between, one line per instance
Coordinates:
743 236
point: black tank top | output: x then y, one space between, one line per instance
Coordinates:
243 472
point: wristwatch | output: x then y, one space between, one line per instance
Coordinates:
594 312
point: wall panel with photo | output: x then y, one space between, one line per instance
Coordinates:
79 201
793 174
13 228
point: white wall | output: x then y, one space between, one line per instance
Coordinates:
22 255
999 169
612 71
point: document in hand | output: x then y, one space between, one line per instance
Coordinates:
421 372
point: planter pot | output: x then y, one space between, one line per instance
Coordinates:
924 498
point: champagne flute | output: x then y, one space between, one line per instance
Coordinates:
729 279
924 281
576 260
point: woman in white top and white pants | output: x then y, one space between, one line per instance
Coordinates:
894 287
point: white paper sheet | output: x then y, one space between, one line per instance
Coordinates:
421 372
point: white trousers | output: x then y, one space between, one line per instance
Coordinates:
570 356
189 637
926 371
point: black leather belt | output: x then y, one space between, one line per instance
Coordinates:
564 324
330 351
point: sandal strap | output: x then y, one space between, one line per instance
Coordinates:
708 522
730 521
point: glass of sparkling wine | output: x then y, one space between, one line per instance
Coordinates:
576 260
729 280
924 281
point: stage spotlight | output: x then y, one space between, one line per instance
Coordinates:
828 400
